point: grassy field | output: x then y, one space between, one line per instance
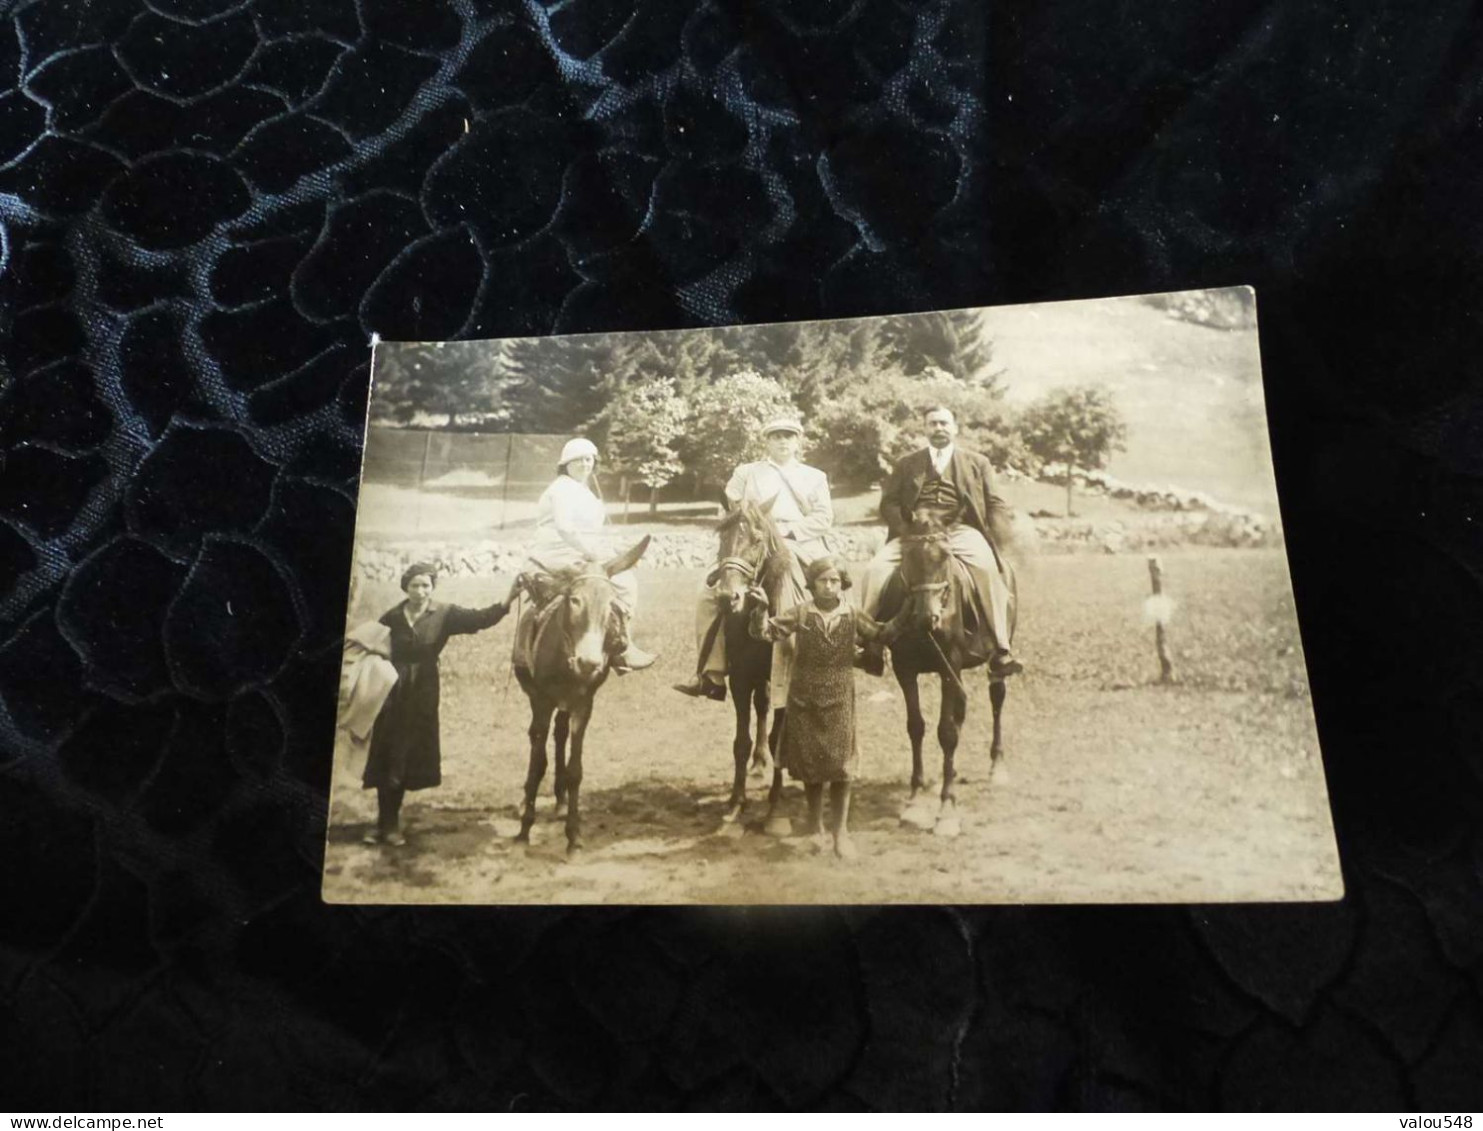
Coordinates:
1120 789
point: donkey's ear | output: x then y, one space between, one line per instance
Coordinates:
766 508
629 558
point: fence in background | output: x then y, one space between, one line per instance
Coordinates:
501 468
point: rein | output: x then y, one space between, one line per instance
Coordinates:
934 587
559 613
767 546
947 668
750 571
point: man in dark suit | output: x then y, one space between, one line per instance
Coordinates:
957 486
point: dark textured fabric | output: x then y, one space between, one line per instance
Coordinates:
209 205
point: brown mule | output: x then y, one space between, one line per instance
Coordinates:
576 632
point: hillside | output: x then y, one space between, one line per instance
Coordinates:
1192 396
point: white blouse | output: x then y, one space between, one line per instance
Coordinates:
567 516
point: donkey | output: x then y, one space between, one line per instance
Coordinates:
939 642
576 632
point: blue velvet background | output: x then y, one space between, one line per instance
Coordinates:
207 206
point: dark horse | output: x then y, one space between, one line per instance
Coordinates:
939 641
576 633
752 552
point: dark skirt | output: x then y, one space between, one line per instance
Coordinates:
405 751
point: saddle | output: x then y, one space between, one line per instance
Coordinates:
544 591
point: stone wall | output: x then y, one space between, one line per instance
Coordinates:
1234 529
1154 497
696 549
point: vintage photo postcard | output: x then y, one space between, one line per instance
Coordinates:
970 606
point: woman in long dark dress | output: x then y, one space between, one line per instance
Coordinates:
405 752
818 744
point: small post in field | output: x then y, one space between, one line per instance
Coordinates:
1159 608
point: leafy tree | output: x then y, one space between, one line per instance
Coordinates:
725 419
861 434
1077 427
434 379
637 432
813 361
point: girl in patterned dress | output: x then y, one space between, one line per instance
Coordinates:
818 743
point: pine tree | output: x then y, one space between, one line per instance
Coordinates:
972 354
950 340
555 385
415 381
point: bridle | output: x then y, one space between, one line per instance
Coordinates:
749 570
932 587
565 597
929 586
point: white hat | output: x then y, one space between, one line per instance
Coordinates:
576 449
783 424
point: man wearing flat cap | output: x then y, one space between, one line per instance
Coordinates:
956 486
804 514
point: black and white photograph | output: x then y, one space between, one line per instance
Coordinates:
1105 377
968 606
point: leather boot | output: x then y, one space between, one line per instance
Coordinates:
1003 664
633 659
628 656
703 687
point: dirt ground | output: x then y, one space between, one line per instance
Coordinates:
1119 789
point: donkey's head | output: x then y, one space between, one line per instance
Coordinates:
591 613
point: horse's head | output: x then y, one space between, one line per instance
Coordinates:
590 612
927 570
748 538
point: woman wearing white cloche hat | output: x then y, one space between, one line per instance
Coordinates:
570 517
